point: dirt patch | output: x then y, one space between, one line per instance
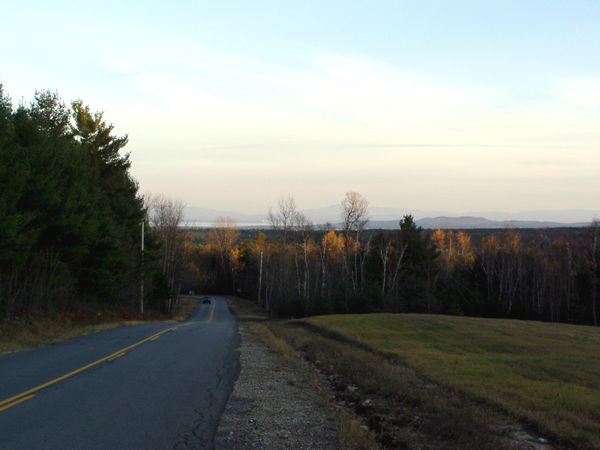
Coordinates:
279 390
399 425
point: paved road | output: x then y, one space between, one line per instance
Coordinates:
149 386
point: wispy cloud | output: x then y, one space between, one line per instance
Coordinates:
371 88
323 88
380 127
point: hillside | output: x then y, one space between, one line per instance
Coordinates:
544 376
470 222
388 218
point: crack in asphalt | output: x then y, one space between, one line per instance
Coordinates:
207 420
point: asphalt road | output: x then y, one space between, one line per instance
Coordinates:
149 386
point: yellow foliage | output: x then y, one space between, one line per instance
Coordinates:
333 244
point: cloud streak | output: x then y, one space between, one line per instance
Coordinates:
324 119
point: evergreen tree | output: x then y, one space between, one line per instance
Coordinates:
420 269
69 209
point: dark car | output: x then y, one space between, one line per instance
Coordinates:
206 300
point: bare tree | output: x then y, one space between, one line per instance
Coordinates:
354 212
262 257
354 217
399 253
593 265
304 227
285 218
383 251
165 216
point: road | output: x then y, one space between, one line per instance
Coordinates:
160 385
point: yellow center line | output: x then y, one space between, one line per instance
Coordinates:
21 400
212 312
15 400
118 356
18 398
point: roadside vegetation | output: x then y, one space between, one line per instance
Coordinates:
455 381
71 223
352 431
34 331
296 269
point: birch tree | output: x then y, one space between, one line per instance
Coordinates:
165 216
354 218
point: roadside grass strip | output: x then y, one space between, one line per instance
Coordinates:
546 375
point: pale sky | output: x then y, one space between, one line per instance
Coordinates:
446 105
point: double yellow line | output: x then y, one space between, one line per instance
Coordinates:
23 396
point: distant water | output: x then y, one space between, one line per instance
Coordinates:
199 224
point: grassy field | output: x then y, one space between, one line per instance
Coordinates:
545 375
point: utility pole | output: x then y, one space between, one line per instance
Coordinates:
260 277
142 274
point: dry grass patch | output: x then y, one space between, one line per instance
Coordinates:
246 309
184 308
36 332
40 330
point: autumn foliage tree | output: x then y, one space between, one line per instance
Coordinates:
221 239
297 269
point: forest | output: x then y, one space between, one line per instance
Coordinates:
71 214
295 269
72 223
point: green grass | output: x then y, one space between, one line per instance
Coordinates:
547 375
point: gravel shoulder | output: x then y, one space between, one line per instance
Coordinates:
272 405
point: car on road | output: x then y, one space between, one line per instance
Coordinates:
206 300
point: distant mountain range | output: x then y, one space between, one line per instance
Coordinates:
387 218
195 214
476 222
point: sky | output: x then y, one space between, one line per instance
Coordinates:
433 105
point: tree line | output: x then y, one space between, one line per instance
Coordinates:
71 220
71 214
297 269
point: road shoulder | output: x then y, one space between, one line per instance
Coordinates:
272 405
